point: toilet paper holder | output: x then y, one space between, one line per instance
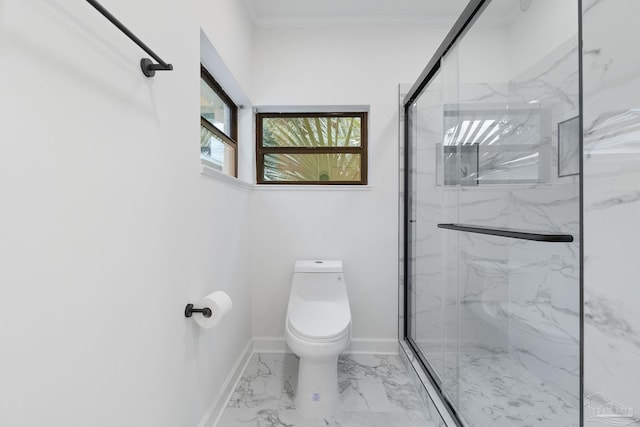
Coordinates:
189 310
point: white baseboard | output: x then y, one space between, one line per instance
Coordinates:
373 346
270 345
216 408
357 346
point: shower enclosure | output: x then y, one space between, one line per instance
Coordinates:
492 241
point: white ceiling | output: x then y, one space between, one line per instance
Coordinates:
301 12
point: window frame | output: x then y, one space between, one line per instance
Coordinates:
362 150
232 138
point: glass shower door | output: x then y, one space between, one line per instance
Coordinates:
495 218
425 314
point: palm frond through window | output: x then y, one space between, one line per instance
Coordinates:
311 148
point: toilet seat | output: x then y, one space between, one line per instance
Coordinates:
319 321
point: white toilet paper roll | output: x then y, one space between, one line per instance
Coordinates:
219 303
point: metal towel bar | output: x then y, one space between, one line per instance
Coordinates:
148 67
505 232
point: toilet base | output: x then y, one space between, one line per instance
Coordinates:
317 395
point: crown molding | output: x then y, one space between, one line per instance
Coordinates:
352 21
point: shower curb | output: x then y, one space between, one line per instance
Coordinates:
428 393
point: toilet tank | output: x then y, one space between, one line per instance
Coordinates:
318 266
318 280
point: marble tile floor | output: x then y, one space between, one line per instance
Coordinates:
375 391
494 389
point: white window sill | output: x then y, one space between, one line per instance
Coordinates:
220 176
297 187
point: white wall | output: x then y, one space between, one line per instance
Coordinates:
227 24
226 53
107 227
336 66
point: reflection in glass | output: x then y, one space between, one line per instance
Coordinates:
215 153
569 147
214 109
508 142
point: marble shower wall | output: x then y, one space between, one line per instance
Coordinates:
517 296
611 126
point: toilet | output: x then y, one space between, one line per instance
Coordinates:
318 329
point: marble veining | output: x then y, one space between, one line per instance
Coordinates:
611 131
494 389
375 391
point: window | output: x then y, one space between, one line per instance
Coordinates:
311 148
218 126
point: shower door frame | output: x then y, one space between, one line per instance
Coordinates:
466 20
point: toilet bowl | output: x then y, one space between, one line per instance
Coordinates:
318 329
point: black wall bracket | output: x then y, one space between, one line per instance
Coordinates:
189 310
149 68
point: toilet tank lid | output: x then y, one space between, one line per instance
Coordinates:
318 266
